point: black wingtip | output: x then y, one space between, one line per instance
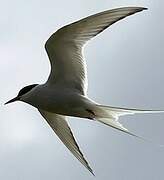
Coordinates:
90 170
141 9
144 8
93 173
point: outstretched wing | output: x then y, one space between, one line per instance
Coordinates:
64 47
61 128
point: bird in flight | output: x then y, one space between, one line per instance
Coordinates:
65 92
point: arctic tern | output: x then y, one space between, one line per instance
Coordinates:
65 92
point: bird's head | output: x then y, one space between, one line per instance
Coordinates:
22 92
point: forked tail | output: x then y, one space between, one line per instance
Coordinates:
110 115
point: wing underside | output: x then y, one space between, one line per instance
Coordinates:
61 128
64 47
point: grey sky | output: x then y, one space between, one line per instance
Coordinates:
125 68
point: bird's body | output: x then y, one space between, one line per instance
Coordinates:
48 98
65 92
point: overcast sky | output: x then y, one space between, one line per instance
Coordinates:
125 68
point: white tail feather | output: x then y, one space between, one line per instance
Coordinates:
109 116
125 111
